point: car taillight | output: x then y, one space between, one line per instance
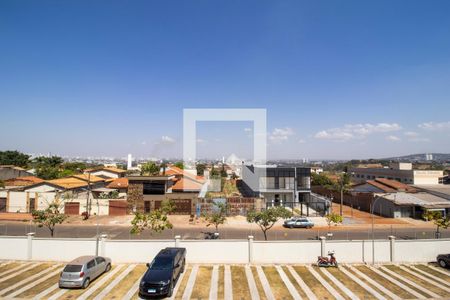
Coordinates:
81 274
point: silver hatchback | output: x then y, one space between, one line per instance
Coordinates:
82 270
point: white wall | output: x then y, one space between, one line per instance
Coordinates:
286 251
13 248
224 251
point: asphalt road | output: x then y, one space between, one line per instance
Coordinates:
123 232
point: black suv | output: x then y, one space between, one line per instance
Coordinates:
162 273
443 260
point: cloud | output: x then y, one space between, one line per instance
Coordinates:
435 126
143 143
200 141
356 131
415 137
167 140
301 141
248 129
393 138
281 134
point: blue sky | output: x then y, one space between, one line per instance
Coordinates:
339 79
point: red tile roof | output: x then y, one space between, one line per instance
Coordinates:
186 184
119 183
23 181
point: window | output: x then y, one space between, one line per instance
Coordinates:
31 205
146 207
91 264
154 188
100 260
2 204
162 263
72 268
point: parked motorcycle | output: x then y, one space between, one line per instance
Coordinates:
327 261
211 235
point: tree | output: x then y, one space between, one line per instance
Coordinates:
333 218
179 164
2 184
214 173
157 220
223 172
200 169
150 168
49 217
49 167
14 158
342 186
267 218
217 216
321 179
439 220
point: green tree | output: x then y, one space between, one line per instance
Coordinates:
342 186
214 173
49 167
223 172
321 179
49 217
179 164
157 220
333 218
75 167
200 169
15 158
150 168
438 219
217 216
267 218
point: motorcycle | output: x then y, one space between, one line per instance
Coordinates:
325 261
211 235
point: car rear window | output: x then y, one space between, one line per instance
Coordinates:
72 268
161 263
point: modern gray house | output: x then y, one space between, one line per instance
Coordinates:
279 186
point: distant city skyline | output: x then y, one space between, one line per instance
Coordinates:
339 80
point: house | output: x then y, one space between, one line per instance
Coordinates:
107 172
10 172
402 172
288 186
146 193
119 184
22 181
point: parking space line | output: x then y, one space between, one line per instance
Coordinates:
425 279
362 284
374 283
325 284
410 282
228 285
177 286
398 283
58 294
33 284
214 283
190 284
430 275
5 263
251 283
12 270
340 285
302 284
98 284
437 269
45 292
291 288
28 279
131 291
113 283
17 273
265 283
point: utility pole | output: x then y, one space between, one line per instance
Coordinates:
88 204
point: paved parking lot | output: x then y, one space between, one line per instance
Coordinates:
38 280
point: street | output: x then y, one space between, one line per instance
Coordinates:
276 233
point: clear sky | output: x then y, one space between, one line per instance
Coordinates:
339 79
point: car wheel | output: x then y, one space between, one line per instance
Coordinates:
184 266
170 290
442 263
86 283
108 268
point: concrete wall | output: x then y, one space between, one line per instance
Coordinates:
225 251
